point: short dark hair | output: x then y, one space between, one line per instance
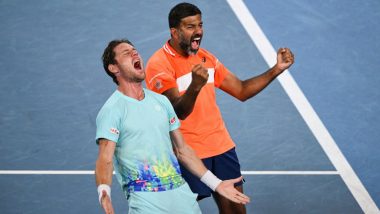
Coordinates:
181 11
109 56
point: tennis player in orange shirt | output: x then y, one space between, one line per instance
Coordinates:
188 75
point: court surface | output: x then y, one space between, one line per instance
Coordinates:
308 143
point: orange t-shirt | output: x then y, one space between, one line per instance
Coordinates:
204 128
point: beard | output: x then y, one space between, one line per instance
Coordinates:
139 77
185 45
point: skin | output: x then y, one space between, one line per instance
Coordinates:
192 27
130 80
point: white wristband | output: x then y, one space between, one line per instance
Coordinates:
102 187
210 180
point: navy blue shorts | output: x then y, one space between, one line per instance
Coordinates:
225 166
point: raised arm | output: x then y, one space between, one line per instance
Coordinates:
246 89
103 173
184 105
188 158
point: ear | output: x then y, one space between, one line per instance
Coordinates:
174 33
114 69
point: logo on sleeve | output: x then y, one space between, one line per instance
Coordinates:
158 84
114 131
172 121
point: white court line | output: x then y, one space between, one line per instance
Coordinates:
289 173
305 109
89 172
46 172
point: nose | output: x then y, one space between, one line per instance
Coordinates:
135 53
199 30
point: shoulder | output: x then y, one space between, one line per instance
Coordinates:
203 52
158 57
158 62
159 97
111 106
154 94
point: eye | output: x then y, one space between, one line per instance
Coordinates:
128 52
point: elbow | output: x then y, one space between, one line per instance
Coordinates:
240 94
181 157
184 155
244 96
181 113
182 116
242 99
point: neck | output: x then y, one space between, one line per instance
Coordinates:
133 90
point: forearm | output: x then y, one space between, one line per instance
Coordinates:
197 168
255 85
103 172
186 155
184 104
191 162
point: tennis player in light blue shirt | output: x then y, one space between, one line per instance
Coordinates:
138 137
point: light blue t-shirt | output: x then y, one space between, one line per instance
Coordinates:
144 159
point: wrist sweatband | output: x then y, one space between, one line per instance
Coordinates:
210 180
102 187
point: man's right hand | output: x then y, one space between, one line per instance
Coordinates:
199 76
227 190
106 203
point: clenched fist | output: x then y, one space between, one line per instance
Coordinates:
199 76
285 58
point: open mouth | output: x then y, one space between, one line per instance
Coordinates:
195 43
137 65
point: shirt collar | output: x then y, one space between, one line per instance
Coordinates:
169 49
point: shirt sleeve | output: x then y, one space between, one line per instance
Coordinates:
220 73
174 122
107 126
160 75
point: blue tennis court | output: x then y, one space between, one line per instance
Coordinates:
308 143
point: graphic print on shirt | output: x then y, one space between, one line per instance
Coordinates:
163 175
